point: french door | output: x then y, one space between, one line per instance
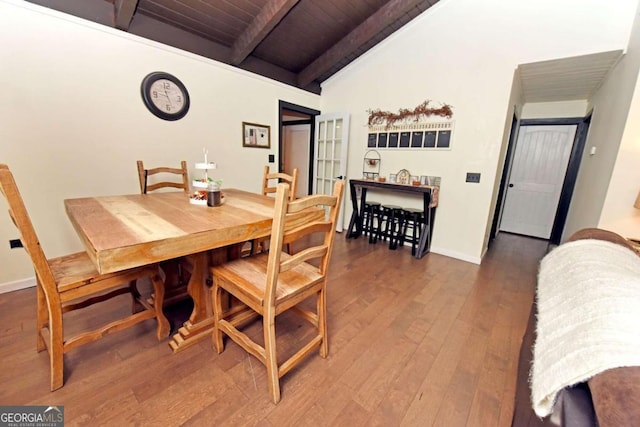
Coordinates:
330 154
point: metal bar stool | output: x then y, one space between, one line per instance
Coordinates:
412 218
390 224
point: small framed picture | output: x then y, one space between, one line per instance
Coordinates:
255 135
392 178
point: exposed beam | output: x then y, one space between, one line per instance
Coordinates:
123 11
374 24
260 27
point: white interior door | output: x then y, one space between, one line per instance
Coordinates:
296 153
537 173
330 154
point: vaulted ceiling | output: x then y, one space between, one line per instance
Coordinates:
298 42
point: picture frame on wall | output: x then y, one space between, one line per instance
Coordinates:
372 140
393 139
256 135
382 139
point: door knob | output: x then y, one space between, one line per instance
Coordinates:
510 185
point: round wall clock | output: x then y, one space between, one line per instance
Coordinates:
165 96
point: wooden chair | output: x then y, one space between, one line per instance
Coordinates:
269 185
270 181
144 174
270 283
176 270
72 282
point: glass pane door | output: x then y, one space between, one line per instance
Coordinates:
330 156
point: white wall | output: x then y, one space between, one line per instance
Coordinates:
464 53
618 213
73 122
554 110
515 110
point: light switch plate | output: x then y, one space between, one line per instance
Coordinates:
473 177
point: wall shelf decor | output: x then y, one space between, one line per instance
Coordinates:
404 115
371 165
427 135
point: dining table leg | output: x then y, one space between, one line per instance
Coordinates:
424 244
200 323
357 214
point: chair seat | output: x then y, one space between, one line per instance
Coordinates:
77 270
246 278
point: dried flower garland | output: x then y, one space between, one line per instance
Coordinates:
377 117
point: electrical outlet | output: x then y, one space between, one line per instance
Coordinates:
473 177
15 243
272 158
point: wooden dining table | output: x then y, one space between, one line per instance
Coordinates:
121 232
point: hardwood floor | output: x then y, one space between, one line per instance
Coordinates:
411 342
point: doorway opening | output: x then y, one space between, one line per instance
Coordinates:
296 143
557 196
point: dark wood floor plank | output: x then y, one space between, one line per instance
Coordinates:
411 342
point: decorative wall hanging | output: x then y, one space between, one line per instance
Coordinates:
408 129
371 166
255 135
432 135
422 111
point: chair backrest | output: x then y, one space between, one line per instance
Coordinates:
28 236
144 174
278 177
285 210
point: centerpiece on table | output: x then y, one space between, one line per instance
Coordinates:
202 185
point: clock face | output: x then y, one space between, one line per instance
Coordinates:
165 96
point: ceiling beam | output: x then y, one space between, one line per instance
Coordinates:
268 17
373 25
123 11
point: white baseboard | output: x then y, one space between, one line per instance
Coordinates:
456 255
17 285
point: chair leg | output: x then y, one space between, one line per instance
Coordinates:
217 316
322 322
42 317
415 235
271 361
162 329
56 348
136 306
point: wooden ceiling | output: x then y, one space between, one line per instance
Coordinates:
298 42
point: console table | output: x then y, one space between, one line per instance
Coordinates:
430 202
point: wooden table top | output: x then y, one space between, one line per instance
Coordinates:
409 188
121 232
432 190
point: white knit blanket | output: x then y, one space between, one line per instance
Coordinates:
588 320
